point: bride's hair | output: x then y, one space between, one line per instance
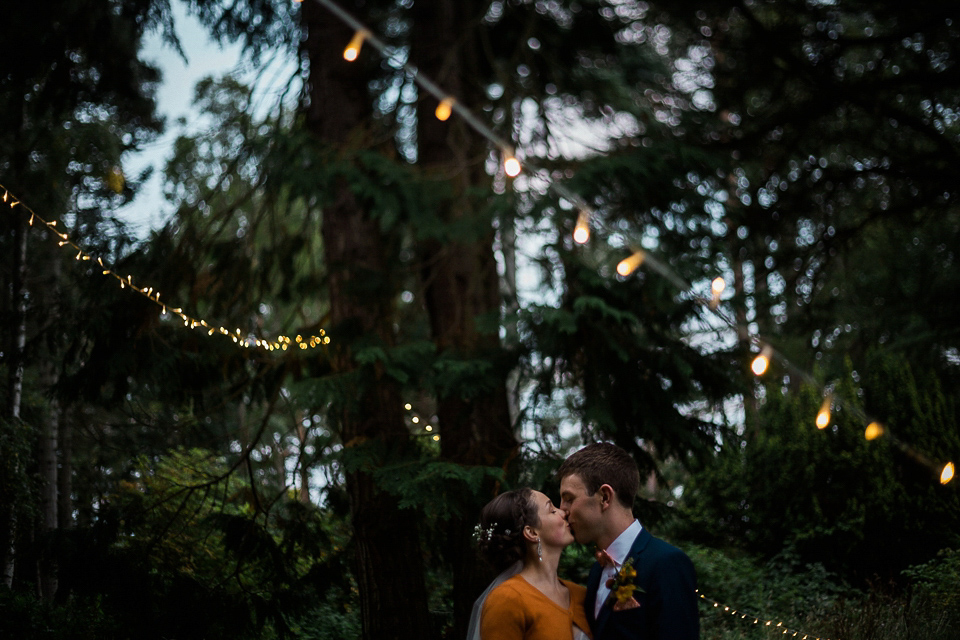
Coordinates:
500 534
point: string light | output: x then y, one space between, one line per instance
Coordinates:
873 431
823 416
757 620
631 264
444 109
581 232
716 288
63 240
511 166
415 419
947 474
761 363
353 49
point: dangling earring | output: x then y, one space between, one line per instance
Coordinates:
539 551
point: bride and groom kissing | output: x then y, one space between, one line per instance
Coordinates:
640 588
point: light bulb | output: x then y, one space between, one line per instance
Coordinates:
947 474
823 416
629 265
718 286
444 109
353 49
581 233
761 363
511 166
873 431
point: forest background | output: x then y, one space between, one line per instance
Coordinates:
446 338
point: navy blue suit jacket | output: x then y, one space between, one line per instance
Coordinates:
668 606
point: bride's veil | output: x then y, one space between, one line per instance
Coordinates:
473 630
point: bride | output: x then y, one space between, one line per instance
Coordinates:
523 533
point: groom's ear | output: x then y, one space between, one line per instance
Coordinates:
607 496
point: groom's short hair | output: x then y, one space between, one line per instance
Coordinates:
603 463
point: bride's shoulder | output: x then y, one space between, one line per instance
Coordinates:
510 590
576 590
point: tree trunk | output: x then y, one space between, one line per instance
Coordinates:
389 564
460 278
49 431
47 454
65 477
18 343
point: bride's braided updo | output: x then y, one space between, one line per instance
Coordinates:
500 532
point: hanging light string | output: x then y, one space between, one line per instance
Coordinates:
773 626
281 343
419 422
581 234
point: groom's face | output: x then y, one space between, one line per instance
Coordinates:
583 509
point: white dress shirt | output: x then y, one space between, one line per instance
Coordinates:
618 550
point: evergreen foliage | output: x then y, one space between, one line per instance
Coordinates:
801 150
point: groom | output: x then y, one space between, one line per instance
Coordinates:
597 488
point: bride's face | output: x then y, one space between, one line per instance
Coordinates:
554 530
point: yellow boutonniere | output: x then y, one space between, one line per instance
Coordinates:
623 588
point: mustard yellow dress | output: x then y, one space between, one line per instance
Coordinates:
516 610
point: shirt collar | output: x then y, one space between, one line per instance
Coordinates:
619 549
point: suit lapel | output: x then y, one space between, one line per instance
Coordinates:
593 583
635 550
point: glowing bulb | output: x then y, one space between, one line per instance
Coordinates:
581 232
718 286
428 428
629 265
436 438
874 430
444 109
353 49
947 474
823 416
415 419
511 166
761 362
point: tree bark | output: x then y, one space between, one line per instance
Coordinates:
65 476
18 343
49 432
460 278
389 564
